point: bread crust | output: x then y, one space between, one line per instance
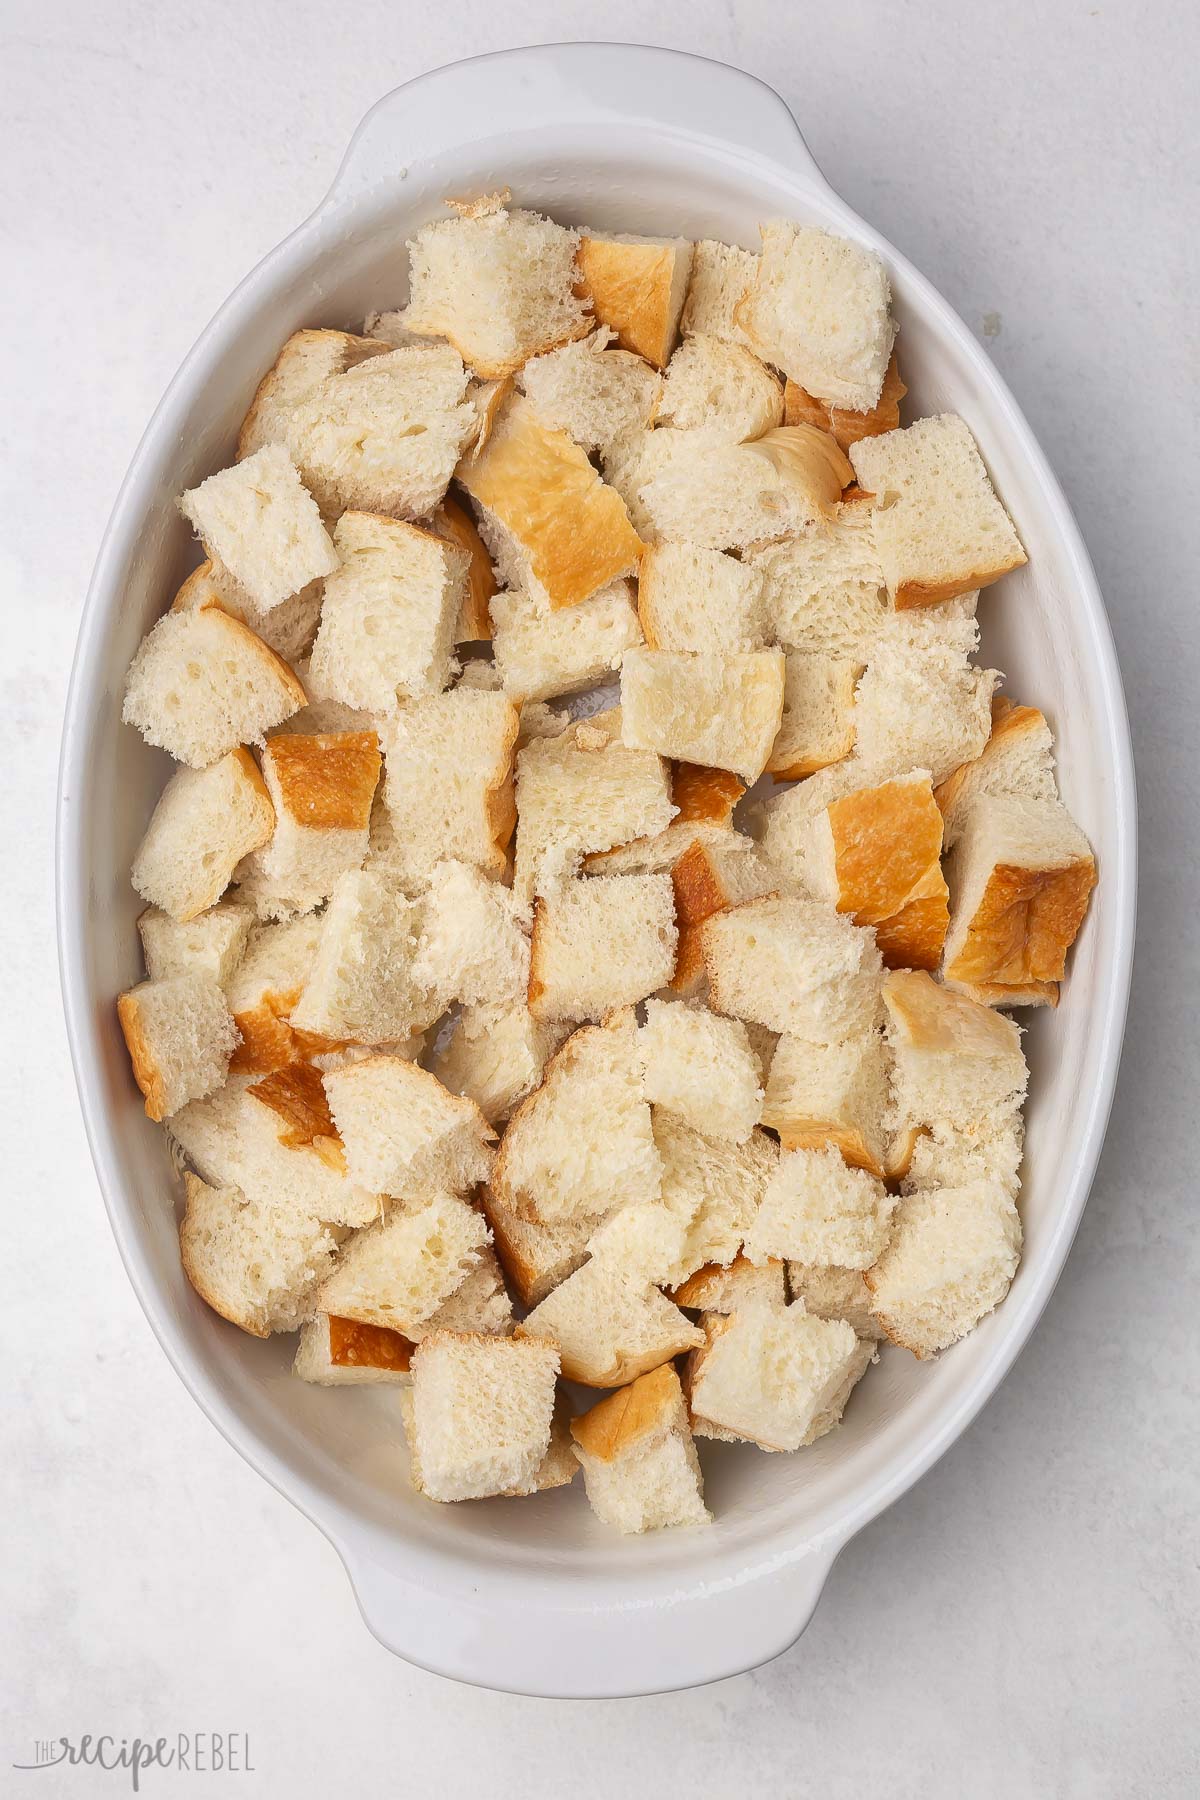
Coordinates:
810 459
353 1345
327 782
146 1071
193 1268
475 620
929 1017
353 350
1026 921
701 794
800 408
1009 721
825 1134
887 845
296 1094
911 594
630 287
638 1411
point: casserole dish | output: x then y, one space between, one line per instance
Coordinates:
536 1597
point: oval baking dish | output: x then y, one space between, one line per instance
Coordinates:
536 1597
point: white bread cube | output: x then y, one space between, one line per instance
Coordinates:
552 526
584 1138
400 1270
389 615
832 1293
403 1132
719 871
787 824
321 788
210 944
385 435
303 366
481 1410
205 822
542 653
536 1258
495 1056
690 598
947 1155
448 786
703 799
1018 758
823 589
264 987
793 966
817 727
721 711
256 1262
951 1261
364 985
820 311
803 408
180 1036
1021 876
773 1375
288 628
939 528
714 1186
831 1094
957 1065
260 523
599 943
917 711
640 1467
471 947
608 1327
720 389
742 1283
480 1302
590 391
876 856
498 284
702 1068
817 1210
453 522
202 683
336 1352
721 275
558 1468
646 1243
636 286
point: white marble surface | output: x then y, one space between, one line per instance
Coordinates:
1025 1622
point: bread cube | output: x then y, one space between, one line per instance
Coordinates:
803 408
398 1271
817 726
403 1132
819 310
471 947
721 275
535 1257
335 1352
364 985
590 391
817 1210
321 788
716 1187
956 1064
600 943
288 629
205 822
260 523
608 1327
210 944
448 788
794 967
951 1261
741 1283
695 599
831 1094
257 1262
303 366
876 856
702 1068
180 1036
480 1302
948 1155
496 1055
718 871
720 389
822 588
480 1412
828 1292
264 987
721 711
640 1467
917 711
1018 758
773 1375
636 286
939 528
541 653
704 800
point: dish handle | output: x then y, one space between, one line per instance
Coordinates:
565 87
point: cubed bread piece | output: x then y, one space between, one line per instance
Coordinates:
542 653
259 521
590 391
876 856
364 985
180 1036
210 944
702 1068
552 526
916 711
831 1094
951 1155
957 1065
951 1261
637 287
718 871
723 1290
640 1467
1018 758
455 524
720 389
558 1468
448 788
722 711
690 598
205 822
681 485
817 1210
939 528
499 286
288 628
582 791
536 1258
335 1352
773 1375
704 800
584 1138
495 1056
609 1328
643 1242
264 987
832 1293
480 1302
296 1095
321 788
479 1416
786 824
721 274
601 942
305 363
404 1132
400 1270
202 683
390 611
715 1186
820 311
472 948
817 727
1021 876
802 408
256 1262
793 966
822 588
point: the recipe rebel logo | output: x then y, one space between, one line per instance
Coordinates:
192 1752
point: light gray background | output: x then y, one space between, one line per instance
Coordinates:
1025 1622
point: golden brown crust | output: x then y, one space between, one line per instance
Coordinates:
199 589
689 962
635 1412
901 1151
353 350
500 799
1026 921
699 891
475 621
823 1134
1008 721
629 286
700 794
296 1094
926 1016
520 1272
809 459
353 1345
327 781
887 845
698 1290
912 594
268 1041
1026 993
800 408
536 987
145 1070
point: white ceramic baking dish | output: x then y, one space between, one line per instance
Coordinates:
533 1595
